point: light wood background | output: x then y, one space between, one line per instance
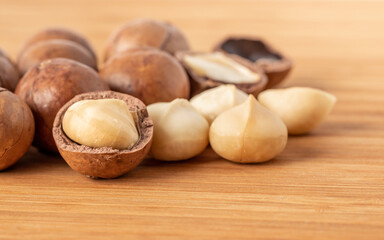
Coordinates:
327 185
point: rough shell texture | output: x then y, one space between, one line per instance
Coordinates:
146 33
58 33
105 162
9 76
48 86
200 83
275 65
56 48
17 128
148 74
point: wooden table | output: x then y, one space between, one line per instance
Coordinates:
326 185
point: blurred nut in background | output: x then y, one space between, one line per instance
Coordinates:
58 33
301 108
56 48
275 65
146 33
180 132
17 128
9 75
214 101
208 70
248 133
48 86
112 156
148 74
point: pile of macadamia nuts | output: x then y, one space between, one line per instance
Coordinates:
152 96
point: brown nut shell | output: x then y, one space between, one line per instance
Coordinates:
146 33
17 128
275 65
56 48
58 33
202 83
48 86
9 76
148 74
105 162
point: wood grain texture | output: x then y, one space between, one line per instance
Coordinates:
327 185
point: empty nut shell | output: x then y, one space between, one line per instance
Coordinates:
105 162
56 48
148 74
17 128
146 33
201 81
48 86
275 65
58 33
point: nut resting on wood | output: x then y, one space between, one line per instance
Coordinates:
124 145
16 128
302 109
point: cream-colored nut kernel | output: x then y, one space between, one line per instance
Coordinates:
214 101
301 108
180 132
248 133
101 123
219 67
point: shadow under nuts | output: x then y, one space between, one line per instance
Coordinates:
48 86
211 103
146 33
148 74
302 109
103 134
248 133
180 132
208 70
17 128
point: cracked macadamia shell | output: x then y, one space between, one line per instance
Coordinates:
180 132
55 48
212 102
146 33
9 75
58 33
201 82
257 51
148 74
248 133
48 86
16 128
301 108
105 162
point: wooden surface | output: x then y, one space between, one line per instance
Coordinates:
327 185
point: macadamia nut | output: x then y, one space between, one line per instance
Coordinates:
101 123
180 132
301 108
248 133
214 101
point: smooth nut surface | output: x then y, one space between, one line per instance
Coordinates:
56 48
220 67
9 75
180 132
101 123
105 162
48 86
208 70
146 33
148 74
248 133
16 128
302 109
212 102
57 33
